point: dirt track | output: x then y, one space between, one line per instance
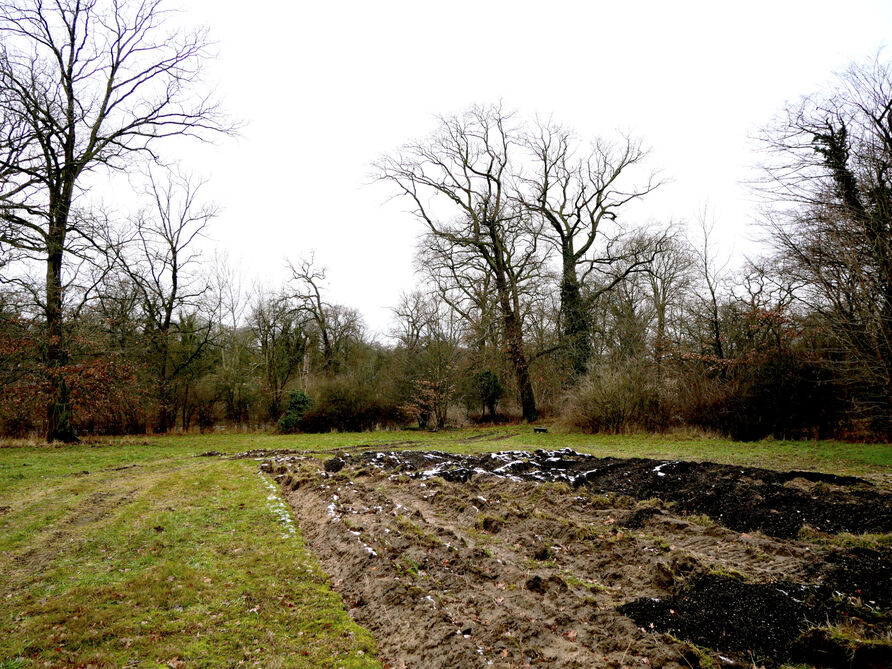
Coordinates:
557 559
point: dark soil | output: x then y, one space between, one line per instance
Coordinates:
731 615
745 499
563 560
863 573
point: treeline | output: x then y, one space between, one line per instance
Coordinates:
675 343
537 296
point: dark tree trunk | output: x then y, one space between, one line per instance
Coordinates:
59 426
574 317
514 341
165 408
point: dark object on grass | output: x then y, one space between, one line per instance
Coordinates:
540 430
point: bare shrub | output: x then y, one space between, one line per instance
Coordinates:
617 396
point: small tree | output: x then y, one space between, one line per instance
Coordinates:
298 404
489 391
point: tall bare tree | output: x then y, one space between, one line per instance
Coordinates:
461 185
161 262
829 175
669 277
712 269
84 84
578 192
336 325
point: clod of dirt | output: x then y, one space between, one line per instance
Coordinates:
209 454
544 552
536 584
334 464
637 518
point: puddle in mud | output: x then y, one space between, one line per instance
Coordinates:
558 559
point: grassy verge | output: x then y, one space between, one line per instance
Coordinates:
134 552
175 561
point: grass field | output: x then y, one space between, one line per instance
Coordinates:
134 552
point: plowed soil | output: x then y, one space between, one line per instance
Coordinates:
564 560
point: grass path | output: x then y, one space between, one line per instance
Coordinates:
134 552
177 561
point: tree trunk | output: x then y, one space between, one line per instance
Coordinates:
574 317
165 410
521 369
514 340
59 427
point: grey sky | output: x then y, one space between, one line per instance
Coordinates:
326 87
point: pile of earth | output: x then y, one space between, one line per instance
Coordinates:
742 498
773 620
560 559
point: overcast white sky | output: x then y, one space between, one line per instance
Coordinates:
326 87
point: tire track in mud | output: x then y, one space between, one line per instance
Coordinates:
491 571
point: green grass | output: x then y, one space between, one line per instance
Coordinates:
179 561
134 552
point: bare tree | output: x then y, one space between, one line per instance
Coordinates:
336 325
282 342
669 277
829 177
233 369
412 316
461 185
577 192
464 281
84 84
429 332
160 261
712 270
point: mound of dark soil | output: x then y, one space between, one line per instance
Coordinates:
741 498
731 615
820 648
861 572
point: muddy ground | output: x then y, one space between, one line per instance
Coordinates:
559 559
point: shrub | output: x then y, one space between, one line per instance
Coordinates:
617 396
348 405
489 390
781 395
298 404
483 390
